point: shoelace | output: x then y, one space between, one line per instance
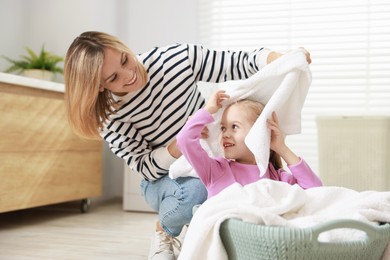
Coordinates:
167 243
175 243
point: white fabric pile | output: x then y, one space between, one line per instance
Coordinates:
274 203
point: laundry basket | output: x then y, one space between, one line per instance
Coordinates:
244 240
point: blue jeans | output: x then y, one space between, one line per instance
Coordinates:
174 200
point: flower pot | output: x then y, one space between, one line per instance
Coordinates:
38 74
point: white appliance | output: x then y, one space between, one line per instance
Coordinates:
132 197
354 151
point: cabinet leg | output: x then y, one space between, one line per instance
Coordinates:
84 205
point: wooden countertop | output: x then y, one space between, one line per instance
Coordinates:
13 79
10 83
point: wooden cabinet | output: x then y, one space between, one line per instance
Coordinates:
41 160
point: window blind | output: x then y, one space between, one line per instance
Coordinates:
349 41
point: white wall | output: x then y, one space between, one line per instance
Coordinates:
34 23
13 20
156 23
140 24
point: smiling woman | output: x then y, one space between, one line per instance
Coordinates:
122 73
138 104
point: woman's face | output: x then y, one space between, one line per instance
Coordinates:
120 73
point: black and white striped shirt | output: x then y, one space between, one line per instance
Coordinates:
150 118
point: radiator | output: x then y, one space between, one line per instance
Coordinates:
354 152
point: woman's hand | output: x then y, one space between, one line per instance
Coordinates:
308 59
275 55
215 101
174 150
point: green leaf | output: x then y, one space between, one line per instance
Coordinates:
44 60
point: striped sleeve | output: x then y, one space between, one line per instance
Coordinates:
219 66
127 143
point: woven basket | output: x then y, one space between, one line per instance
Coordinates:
244 240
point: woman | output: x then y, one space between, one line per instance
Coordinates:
138 103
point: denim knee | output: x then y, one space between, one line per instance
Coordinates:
174 200
190 191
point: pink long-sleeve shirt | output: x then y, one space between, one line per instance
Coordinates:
218 173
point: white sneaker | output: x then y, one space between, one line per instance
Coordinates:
163 246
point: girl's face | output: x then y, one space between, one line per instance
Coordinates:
235 125
120 73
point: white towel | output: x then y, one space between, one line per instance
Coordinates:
276 203
282 87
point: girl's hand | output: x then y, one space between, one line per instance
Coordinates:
277 137
277 142
215 101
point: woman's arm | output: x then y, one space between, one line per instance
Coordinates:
127 143
221 65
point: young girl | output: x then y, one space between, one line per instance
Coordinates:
238 163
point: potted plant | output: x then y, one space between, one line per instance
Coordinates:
43 65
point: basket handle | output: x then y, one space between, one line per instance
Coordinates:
345 223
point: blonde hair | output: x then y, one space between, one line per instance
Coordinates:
88 108
255 108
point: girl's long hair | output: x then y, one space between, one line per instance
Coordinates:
88 108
